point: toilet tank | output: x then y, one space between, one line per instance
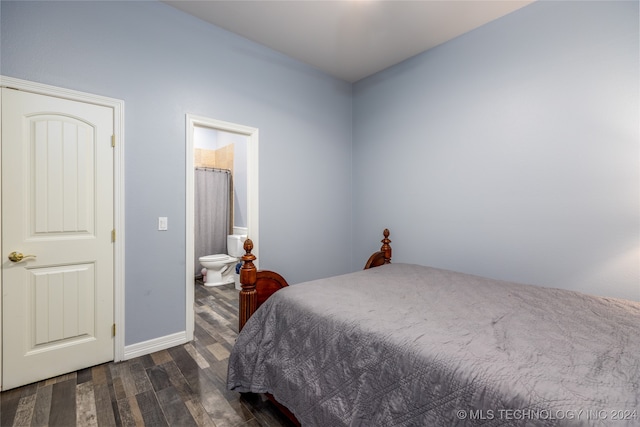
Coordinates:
235 243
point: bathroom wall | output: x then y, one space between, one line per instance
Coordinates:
221 158
165 64
240 192
511 152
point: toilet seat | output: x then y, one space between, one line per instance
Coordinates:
218 257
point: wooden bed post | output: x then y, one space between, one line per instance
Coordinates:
248 278
383 256
385 246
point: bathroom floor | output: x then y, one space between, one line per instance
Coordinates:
180 386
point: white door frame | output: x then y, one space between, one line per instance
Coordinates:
118 195
252 199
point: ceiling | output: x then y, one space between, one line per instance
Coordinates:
349 39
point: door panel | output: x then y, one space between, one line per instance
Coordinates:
62 176
62 305
57 204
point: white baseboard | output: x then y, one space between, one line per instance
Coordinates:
156 344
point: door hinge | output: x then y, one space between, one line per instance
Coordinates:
113 235
113 140
113 330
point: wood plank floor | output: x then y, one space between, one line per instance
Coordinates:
180 386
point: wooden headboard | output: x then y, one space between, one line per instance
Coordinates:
383 256
258 285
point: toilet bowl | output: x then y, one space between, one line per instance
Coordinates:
220 269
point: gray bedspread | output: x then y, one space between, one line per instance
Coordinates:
407 345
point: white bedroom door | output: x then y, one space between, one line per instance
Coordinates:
57 213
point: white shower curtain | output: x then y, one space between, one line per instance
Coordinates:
212 196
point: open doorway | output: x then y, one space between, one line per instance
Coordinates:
204 136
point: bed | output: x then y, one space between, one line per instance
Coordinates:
409 345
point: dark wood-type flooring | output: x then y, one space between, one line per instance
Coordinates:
180 386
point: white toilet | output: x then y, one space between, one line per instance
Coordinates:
220 269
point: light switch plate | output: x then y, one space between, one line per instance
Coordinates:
162 223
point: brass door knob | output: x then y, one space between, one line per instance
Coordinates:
17 256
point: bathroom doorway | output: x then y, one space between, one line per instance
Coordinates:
220 146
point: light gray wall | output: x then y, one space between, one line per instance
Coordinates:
164 64
510 152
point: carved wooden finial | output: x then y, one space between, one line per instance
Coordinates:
385 246
248 270
248 246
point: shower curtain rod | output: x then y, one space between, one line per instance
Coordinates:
213 169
